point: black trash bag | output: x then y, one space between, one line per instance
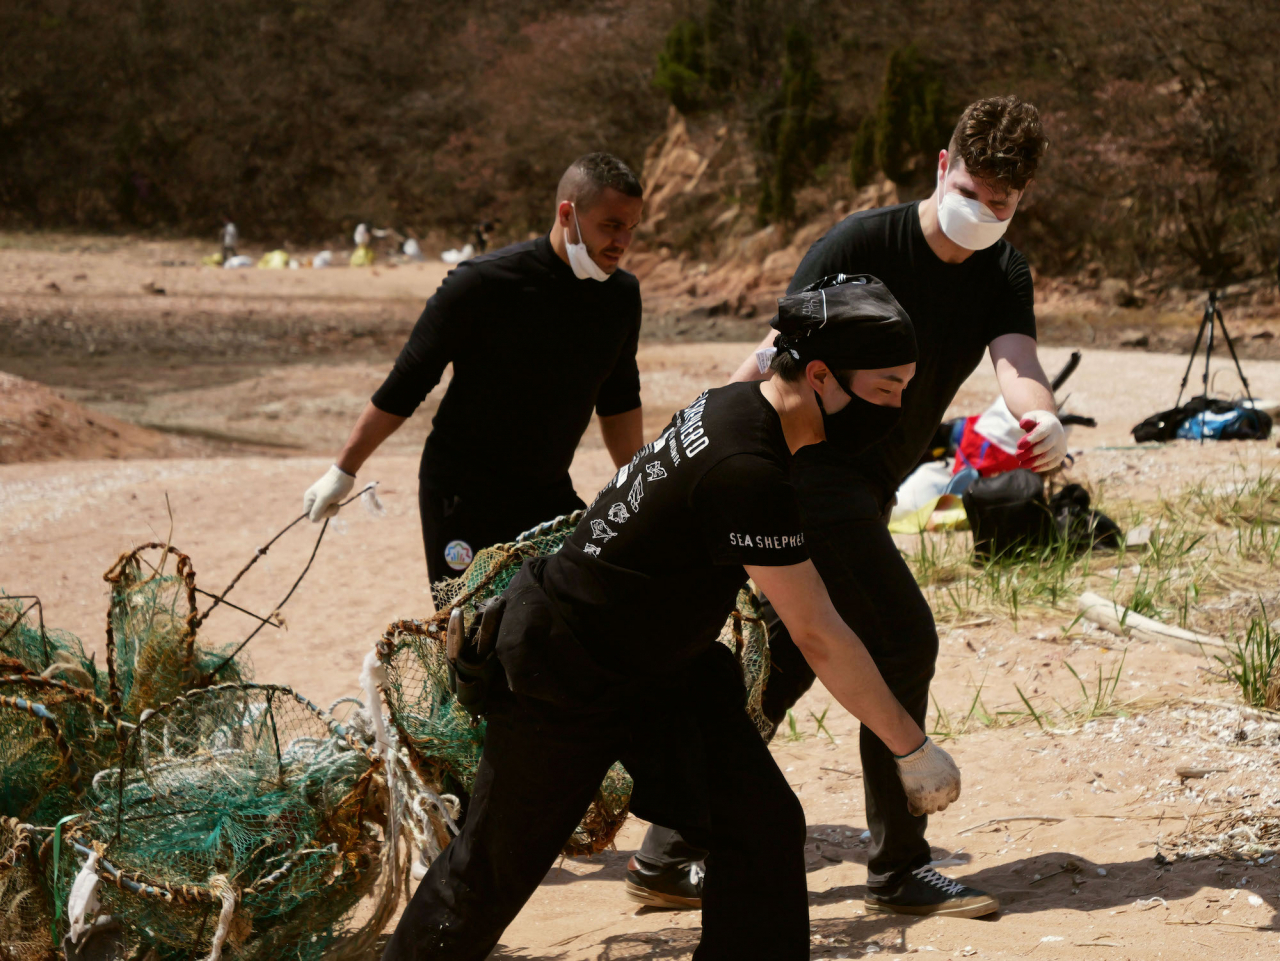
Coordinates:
1252 424
1080 526
1008 513
1164 425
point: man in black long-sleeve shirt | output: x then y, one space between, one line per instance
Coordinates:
540 334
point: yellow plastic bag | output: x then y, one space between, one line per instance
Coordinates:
274 260
362 256
945 513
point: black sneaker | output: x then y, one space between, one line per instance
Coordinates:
926 892
676 888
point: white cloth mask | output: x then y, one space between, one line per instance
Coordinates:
967 222
584 268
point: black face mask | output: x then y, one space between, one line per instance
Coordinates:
859 424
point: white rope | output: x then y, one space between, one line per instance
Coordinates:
221 886
83 898
373 674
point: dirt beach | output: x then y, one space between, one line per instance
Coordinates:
1063 822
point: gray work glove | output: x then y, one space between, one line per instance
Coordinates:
322 497
930 778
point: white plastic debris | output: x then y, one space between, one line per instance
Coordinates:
456 256
83 899
369 498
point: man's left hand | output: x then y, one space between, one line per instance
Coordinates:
1045 445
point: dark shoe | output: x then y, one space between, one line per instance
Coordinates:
677 888
926 892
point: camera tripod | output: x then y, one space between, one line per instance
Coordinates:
1212 313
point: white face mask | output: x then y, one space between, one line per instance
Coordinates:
968 222
584 268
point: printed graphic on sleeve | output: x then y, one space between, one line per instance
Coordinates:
655 472
600 530
591 549
618 513
637 492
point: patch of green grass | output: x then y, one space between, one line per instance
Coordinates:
1243 500
945 726
1212 538
1101 702
821 721
1252 663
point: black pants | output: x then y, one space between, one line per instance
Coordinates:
875 592
455 527
540 769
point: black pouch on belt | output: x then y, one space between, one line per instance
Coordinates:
474 670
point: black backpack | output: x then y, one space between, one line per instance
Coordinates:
1008 513
1253 425
1081 526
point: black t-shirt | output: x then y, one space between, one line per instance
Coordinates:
654 567
957 310
534 350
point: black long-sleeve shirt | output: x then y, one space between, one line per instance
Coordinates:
956 309
534 351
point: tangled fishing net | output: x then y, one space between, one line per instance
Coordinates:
239 794
442 740
164 805
168 807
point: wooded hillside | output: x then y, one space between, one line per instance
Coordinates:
299 118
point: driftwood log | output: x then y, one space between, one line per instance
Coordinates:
1123 622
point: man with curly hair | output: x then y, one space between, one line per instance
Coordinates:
968 292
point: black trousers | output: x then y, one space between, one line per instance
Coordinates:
455 527
540 769
876 594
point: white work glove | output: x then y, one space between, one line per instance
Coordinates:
1045 444
321 499
930 778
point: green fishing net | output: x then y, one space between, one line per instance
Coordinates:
152 630
243 790
228 812
443 741
222 814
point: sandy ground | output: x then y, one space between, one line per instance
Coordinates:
1112 782
1079 887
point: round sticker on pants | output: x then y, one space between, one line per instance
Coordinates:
457 554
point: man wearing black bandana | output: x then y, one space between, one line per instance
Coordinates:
627 613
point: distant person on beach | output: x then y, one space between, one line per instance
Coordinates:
482 232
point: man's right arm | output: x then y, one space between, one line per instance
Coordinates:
835 653
432 344
372 428
839 659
